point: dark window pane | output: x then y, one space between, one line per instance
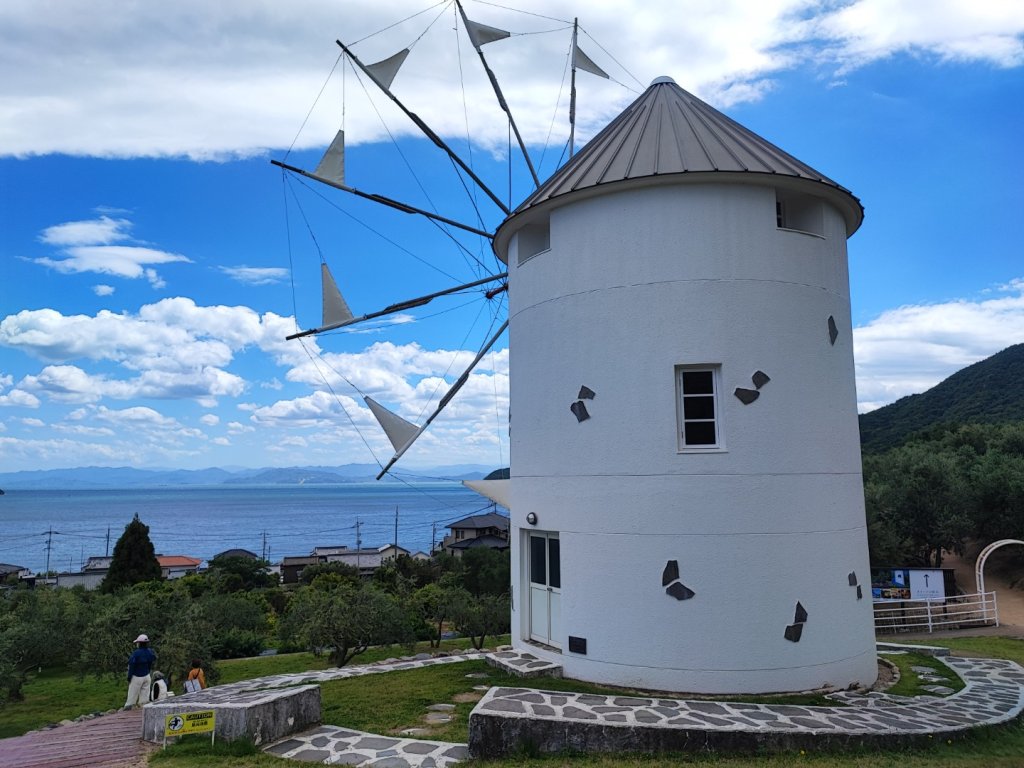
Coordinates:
554 564
699 433
698 407
538 571
698 382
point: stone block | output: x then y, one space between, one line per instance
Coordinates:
261 716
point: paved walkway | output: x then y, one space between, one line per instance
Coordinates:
994 694
110 741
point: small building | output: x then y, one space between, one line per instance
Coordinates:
491 529
176 566
89 579
366 560
7 570
292 568
96 563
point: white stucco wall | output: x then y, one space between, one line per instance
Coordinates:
636 283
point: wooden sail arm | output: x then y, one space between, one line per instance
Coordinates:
500 96
427 131
444 400
398 206
398 307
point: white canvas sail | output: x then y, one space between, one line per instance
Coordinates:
399 431
384 71
499 491
481 34
335 308
580 60
332 164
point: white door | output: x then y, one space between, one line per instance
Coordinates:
545 589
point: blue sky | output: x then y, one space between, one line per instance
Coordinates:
151 265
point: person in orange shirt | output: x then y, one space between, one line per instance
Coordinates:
195 675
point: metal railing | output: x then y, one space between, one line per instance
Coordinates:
957 612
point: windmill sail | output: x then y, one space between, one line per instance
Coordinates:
332 165
399 431
481 34
580 60
384 71
335 309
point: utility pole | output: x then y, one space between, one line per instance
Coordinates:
107 553
359 544
264 556
396 530
49 546
433 537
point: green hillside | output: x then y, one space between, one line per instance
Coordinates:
990 391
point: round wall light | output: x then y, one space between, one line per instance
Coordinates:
531 518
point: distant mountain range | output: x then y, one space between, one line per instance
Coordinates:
85 478
989 392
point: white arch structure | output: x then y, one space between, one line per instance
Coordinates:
979 566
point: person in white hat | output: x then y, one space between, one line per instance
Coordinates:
139 665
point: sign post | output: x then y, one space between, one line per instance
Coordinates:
201 721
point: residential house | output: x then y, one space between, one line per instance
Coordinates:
7 570
292 568
489 530
237 553
176 566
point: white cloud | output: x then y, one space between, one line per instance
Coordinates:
222 441
101 231
952 30
33 422
191 78
910 349
19 398
209 420
256 275
87 246
126 261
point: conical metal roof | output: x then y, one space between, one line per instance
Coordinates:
670 132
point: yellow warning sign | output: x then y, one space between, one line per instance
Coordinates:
190 722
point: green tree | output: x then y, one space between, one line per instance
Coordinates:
237 574
435 604
345 621
485 571
134 559
476 617
345 572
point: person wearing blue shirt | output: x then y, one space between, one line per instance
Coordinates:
139 665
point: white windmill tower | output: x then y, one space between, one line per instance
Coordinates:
686 493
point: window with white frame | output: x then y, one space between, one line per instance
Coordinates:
697 407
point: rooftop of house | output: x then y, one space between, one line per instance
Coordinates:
302 560
489 520
237 553
178 561
487 540
7 568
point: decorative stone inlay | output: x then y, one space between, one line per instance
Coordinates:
680 591
794 632
833 331
586 393
347 747
760 378
746 396
671 573
524 664
579 410
852 579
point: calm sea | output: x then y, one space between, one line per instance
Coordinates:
202 521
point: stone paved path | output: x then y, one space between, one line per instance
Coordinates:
994 694
110 741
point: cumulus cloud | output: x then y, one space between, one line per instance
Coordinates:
912 348
33 422
19 398
209 420
103 290
256 275
190 78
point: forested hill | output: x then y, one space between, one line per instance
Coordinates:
990 391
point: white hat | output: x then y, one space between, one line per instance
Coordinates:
142 639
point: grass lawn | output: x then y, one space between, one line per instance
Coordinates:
55 695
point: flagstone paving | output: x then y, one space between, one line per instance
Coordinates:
993 694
